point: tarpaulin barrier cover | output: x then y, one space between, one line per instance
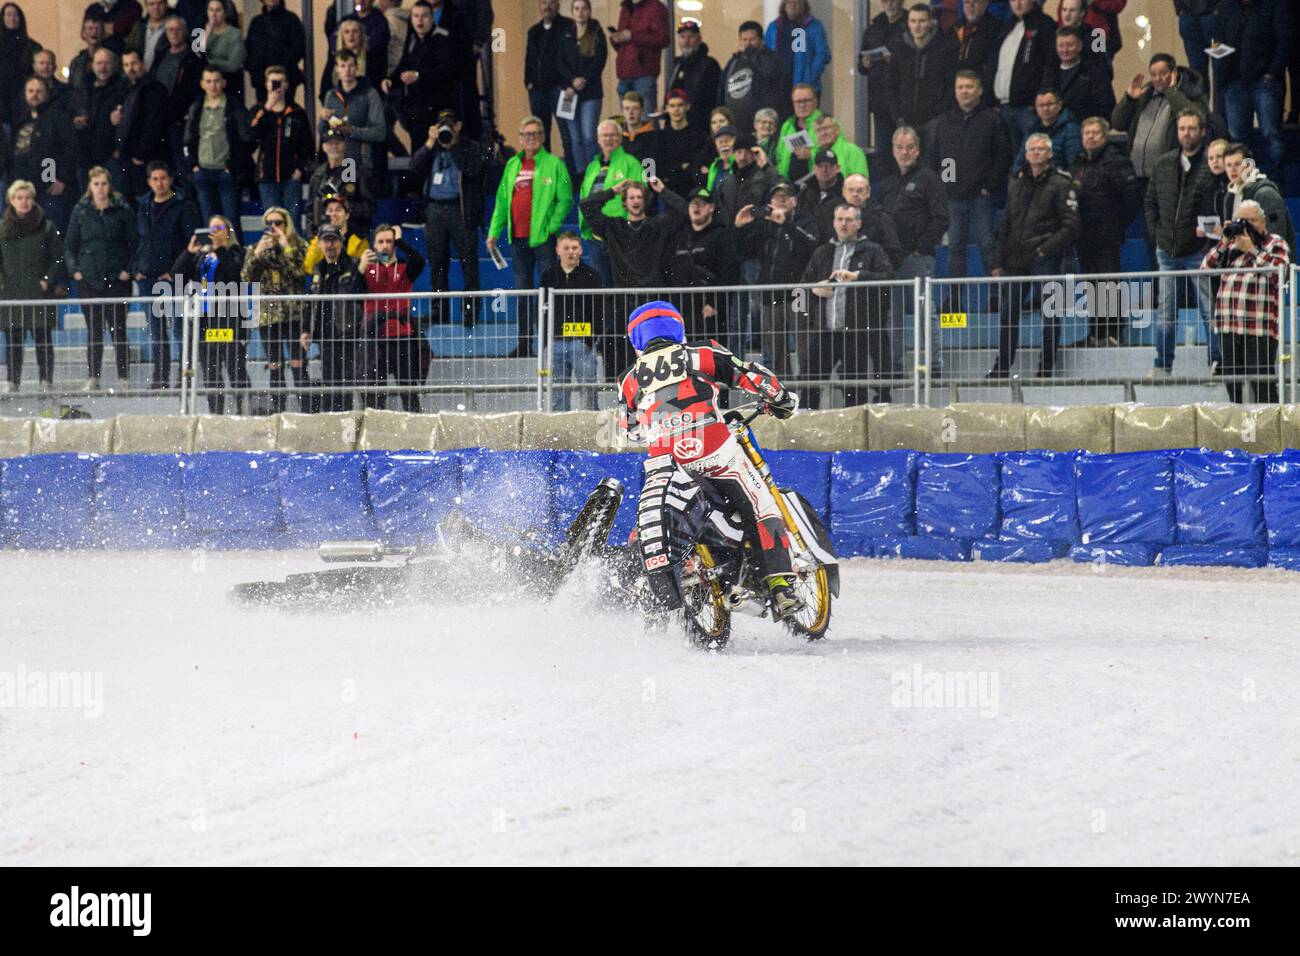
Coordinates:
1022 552
49 501
410 492
871 498
1281 499
807 472
1218 496
957 496
1037 497
1125 555
1202 554
232 499
1288 559
1125 498
923 549
140 502
323 496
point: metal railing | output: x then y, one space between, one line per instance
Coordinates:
913 341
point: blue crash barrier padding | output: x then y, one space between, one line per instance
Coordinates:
577 472
1126 498
1037 498
871 497
232 499
957 496
923 549
140 502
1218 496
1190 506
1288 559
1201 554
324 496
1125 555
1020 552
508 492
1281 500
410 492
807 472
49 501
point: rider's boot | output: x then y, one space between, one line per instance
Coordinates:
784 601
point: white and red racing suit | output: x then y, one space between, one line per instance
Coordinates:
670 401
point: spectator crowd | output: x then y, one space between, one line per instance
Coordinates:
1000 126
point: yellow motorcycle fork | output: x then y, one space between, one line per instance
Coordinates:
756 457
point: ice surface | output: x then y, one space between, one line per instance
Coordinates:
1141 717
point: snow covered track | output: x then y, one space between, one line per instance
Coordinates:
1133 716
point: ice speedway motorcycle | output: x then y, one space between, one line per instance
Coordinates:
707 573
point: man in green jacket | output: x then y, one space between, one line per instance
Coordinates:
611 166
828 135
534 197
804 100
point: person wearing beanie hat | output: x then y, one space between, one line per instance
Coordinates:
696 75
752 177
671 400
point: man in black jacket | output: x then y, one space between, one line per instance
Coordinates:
96 111
337 177
44 153
697 74
637 245
275 37
782 241
752 178
166 220
847 325
1025 60
1084 80
579 325
219 154
875 224
754 78
970 148
428 76
450 170
179 69
285 147
335 322
917 202
1176 192
921 70
979 37
703 254
1039 225
1261 31
542 77
141 129
819 196
1108 193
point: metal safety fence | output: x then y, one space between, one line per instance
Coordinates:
1063 339
1166 337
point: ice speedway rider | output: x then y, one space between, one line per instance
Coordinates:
670 400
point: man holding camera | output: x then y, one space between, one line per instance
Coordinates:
450 170
394 340
1246 309
285 145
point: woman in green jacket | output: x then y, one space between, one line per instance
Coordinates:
31 267
101 243
274 267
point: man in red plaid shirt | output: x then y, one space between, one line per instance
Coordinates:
1246 308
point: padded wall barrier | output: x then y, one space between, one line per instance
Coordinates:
1189 506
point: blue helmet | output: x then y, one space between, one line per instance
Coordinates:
655 320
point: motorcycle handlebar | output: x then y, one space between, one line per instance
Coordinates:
737 415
